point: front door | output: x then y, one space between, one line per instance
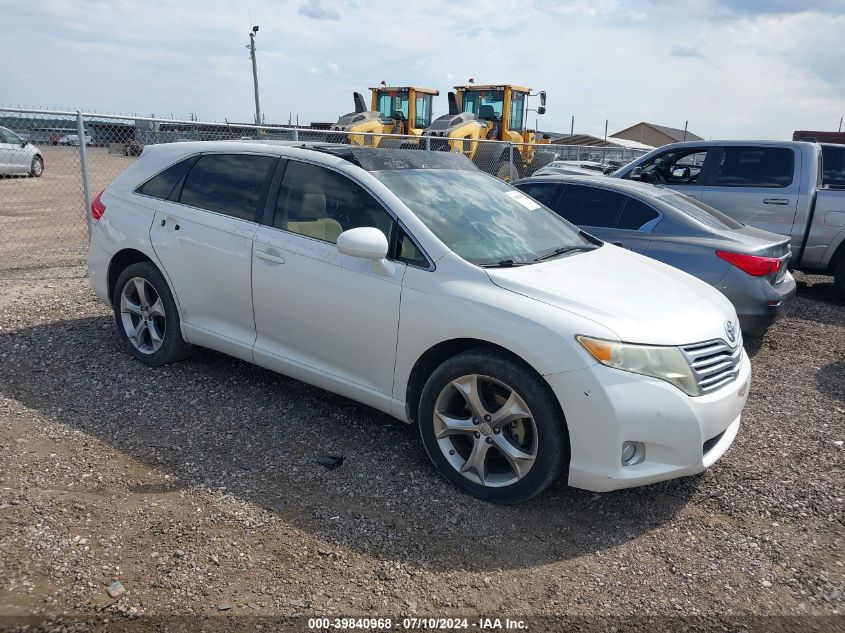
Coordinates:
319 315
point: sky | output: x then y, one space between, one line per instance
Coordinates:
732 68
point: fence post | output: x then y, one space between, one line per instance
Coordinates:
296 134
83 167
510 162
427 143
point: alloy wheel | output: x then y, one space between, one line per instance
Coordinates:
485 430
142 314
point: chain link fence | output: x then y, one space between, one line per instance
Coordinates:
52 163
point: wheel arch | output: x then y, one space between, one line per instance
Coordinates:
122 260
838 254
437 354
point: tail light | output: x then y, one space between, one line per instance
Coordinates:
754 265
97 207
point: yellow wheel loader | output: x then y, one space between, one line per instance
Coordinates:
395 110
490 113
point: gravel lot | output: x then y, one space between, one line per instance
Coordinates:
196 486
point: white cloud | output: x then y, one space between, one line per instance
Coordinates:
730 72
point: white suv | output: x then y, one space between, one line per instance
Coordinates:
416 284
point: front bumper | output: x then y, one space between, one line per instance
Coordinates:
605 407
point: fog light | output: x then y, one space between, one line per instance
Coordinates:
632 453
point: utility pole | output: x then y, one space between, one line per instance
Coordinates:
251 48
686 123
840 123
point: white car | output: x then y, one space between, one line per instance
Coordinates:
414 283
18 156
73 140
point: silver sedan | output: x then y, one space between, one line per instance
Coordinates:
18 156
748 265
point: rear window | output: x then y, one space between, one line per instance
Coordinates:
589 206
755 167
230 184
701 212
160 185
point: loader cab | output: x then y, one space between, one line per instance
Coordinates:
500 107
409 107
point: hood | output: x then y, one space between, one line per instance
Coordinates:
640 299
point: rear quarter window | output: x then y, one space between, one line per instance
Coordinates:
160 185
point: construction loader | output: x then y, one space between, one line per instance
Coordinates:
490 112
395 110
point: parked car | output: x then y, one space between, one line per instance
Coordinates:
576 168
73 140
776 186
748 265
19 156
416 284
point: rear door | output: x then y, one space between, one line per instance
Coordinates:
756 185
11 153
203 238
597 211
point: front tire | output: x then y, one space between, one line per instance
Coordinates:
37 167
146 316
492 427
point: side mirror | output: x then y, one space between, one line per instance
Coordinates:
636 173
367 242
24 143
541 109
543 98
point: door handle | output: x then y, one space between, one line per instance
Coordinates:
781 201
618 244
270 256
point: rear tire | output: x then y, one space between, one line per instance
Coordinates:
839 279
37 167
146 316
506 447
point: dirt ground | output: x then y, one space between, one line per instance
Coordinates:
197 487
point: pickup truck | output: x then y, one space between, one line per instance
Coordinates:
776 186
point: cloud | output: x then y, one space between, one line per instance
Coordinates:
686 51
775 7
315 10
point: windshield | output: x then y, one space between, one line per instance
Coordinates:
705 214
393 101
487 104
481 218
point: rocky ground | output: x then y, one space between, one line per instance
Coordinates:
197 487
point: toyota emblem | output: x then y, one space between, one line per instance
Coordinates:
730 330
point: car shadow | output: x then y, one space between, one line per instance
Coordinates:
225 425
830 380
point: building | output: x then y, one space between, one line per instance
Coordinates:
565 138
655 135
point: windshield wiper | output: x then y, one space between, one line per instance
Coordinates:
565 249
505 263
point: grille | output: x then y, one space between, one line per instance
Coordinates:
714 363
709 444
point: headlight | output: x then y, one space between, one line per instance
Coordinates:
665 363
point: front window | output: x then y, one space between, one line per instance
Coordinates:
422 111
393 101
9 136
675 167
485 104
517 111
480 218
